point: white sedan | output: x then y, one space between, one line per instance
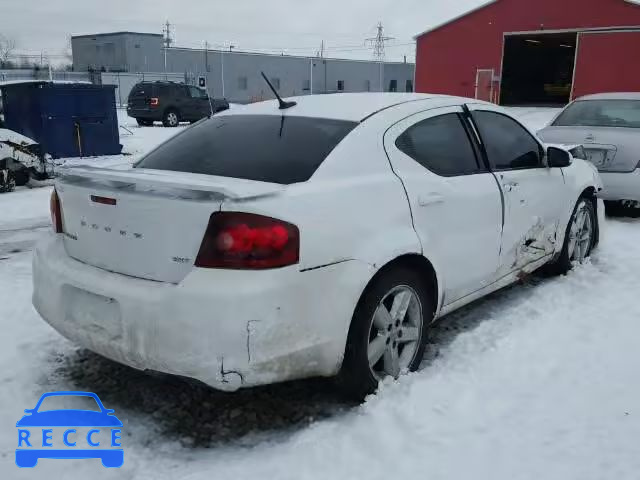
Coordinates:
319 239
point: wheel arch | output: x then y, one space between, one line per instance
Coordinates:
418 263
590 193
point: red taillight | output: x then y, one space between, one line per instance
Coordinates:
154 102
56 212
248 241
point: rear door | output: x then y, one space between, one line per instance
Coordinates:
178 97
455 201
534 195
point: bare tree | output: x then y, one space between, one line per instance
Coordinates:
7 46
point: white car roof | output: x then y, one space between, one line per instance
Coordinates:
342 106
612 96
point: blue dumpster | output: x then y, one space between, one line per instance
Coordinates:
67 119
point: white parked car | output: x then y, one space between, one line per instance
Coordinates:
265 245
608 126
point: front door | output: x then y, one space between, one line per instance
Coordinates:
532 193
455 201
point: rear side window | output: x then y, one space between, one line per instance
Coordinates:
601 113
509 145
441 145
266 148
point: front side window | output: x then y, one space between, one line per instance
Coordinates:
509 145
601 113
440 144
197 92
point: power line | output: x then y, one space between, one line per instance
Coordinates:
378 50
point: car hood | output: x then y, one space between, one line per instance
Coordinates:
69 418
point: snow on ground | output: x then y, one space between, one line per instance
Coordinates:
537 381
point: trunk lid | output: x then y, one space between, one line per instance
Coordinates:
143 223
610 149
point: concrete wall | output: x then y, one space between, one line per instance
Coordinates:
116 52
133 52
243 82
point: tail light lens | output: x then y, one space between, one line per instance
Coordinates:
154 102
245 241
56 212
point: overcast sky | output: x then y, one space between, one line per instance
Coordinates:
292 26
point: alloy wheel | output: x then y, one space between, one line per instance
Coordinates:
395 332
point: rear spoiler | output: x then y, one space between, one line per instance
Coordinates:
221 188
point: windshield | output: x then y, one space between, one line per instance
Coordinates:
266 148
601 113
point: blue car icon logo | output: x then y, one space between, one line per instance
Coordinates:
60 433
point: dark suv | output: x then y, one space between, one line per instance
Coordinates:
170 103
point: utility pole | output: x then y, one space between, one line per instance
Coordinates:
231 47
206 56
378 50
167 43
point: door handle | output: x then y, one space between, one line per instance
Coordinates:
430 199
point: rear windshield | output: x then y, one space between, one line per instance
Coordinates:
141 89
266 148
601 113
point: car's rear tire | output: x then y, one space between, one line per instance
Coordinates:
580 237
171 118
389 331
143 122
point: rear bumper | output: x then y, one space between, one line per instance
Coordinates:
228 329
621 186
144 113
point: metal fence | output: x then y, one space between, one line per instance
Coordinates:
124 82
43 74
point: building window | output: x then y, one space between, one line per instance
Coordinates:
137 45
242 83
306 85
409 86
341 85
367 85
276 83
393 86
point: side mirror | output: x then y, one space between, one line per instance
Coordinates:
558 158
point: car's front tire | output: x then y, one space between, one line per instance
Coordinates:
580 237
389 331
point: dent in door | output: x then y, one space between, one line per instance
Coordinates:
539 241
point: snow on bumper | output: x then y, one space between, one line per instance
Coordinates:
621 186
229 329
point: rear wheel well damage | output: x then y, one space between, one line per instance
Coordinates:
417 263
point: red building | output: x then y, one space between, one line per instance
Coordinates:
518 52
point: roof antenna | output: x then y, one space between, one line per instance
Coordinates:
283 105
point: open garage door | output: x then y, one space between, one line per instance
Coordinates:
537 69
607 62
